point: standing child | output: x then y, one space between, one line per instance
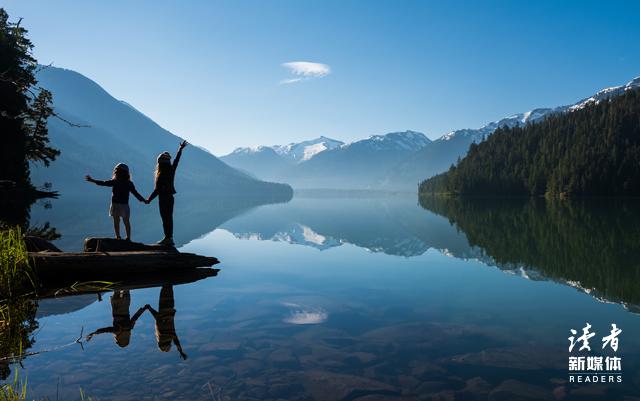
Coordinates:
121 186
164 190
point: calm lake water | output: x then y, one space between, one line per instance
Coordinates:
360 297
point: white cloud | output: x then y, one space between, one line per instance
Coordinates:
304 70
291 80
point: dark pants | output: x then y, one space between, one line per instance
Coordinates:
165 201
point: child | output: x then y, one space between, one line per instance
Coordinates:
122 323
164 190
122 185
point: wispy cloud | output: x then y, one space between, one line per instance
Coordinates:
305 70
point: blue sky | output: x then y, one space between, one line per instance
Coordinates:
213 72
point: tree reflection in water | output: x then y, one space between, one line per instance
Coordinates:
592 245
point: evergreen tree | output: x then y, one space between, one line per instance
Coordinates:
24 108
592 151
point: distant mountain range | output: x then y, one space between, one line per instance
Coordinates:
276 162
113 131
328 163
445 151
396 161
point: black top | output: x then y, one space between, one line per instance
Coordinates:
164 183
120 191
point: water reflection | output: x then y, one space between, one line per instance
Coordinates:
301 314
380 299
18 314
194 215
123 323
165 321
593 246
391 224
17 326
19 317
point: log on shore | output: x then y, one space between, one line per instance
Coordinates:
82 264
119 245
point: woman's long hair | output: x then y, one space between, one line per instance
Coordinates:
162 169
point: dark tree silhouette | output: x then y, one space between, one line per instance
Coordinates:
24 107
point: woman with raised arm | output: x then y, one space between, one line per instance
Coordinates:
164 190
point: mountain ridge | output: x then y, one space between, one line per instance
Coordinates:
115 131
447 149
591 150
405 171
306 165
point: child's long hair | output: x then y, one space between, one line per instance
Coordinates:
120 174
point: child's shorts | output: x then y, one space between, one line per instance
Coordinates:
119 210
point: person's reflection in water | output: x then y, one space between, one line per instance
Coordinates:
165 325
122 323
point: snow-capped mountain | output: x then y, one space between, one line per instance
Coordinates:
276 162
606 94
537 114
328 163
511 121
359 164
397 160
403 141
445 151
259 161
296 151
303 151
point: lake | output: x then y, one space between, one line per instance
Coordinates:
353 296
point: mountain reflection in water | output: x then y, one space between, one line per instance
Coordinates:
365 298
195 215
593 246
